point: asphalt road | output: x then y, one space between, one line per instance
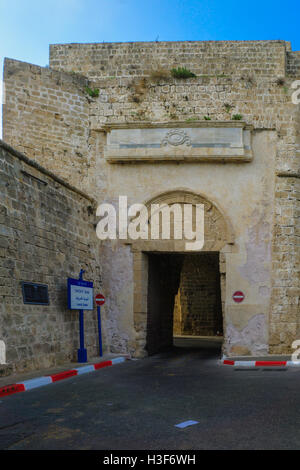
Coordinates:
136 405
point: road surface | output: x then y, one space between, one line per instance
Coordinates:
136 405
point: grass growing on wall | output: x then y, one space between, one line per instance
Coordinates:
237 117
182 72
93 93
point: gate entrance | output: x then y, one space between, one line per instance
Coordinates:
179 290
184 298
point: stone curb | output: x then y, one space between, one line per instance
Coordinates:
261 364
41 381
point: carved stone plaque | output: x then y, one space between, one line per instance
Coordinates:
201 141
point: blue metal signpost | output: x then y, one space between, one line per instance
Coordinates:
100 300
99 330
80 297
82 352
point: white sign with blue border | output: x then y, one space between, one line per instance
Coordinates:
80 294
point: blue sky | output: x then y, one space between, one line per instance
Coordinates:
27 27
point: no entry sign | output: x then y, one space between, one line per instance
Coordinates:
238 296
100 299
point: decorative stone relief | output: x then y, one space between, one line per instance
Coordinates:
176 137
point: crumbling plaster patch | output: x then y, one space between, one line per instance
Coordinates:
117 283
258 249
253 336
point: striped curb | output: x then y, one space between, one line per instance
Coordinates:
262 364
48 379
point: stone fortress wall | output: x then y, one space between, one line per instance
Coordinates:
47 234
51 118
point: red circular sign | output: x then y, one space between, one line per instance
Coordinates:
100 299
238 296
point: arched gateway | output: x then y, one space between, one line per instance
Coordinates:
177 290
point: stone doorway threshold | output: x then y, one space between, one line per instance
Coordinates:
189 341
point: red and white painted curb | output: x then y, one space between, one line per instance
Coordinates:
48 379
264 364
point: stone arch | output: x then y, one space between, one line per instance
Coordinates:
219 237
218 230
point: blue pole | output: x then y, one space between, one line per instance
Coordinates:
99 330
82 352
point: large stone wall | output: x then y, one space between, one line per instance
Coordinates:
106 60
293 63
252 78
285 311
46 235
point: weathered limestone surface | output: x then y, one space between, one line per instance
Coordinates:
47 117
46 235
203 57
293 63
50 116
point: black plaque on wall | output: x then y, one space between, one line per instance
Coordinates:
35 293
